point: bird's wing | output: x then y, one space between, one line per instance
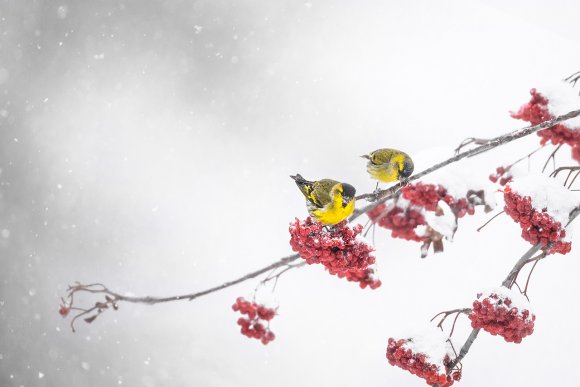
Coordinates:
321 193
307 189
382 156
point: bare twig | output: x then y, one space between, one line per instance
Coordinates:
489 221
569 169
448 313
465 348
573 78
277 276
470 140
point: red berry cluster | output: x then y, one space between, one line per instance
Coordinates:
364 277
536 111
495 315
398 354
337 248
401 221
502 175
257 323
64 310
537 226
428 196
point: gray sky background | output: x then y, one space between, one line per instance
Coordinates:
147 145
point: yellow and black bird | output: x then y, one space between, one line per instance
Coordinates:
387 165
328 201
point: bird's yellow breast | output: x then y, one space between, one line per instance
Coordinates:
384 173
389 170
334 212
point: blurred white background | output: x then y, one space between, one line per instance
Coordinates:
147 145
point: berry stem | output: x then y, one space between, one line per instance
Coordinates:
574 179
552 157
448 313
465 348
570 169
528 157
489 221
573 78
525 292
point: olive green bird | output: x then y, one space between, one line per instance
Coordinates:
328 201
387 165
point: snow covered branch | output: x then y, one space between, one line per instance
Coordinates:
112 298
508 282
383 195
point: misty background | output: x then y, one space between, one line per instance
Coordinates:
147 145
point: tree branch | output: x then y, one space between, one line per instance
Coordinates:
383 195
377 198
508 282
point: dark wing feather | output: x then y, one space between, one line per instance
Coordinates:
307 188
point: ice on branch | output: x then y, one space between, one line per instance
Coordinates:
340 249
549 102
542 207
427 355
504 312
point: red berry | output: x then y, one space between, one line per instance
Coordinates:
64 310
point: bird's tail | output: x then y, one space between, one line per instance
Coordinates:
299 179
304 185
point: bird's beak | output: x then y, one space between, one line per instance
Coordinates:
366 157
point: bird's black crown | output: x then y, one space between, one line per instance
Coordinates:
348 190
407 170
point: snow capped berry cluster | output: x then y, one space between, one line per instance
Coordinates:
546 106
257 323
535 112
422 359
428 213
503 312
402 221
540 205
429 195
340 249
502 174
